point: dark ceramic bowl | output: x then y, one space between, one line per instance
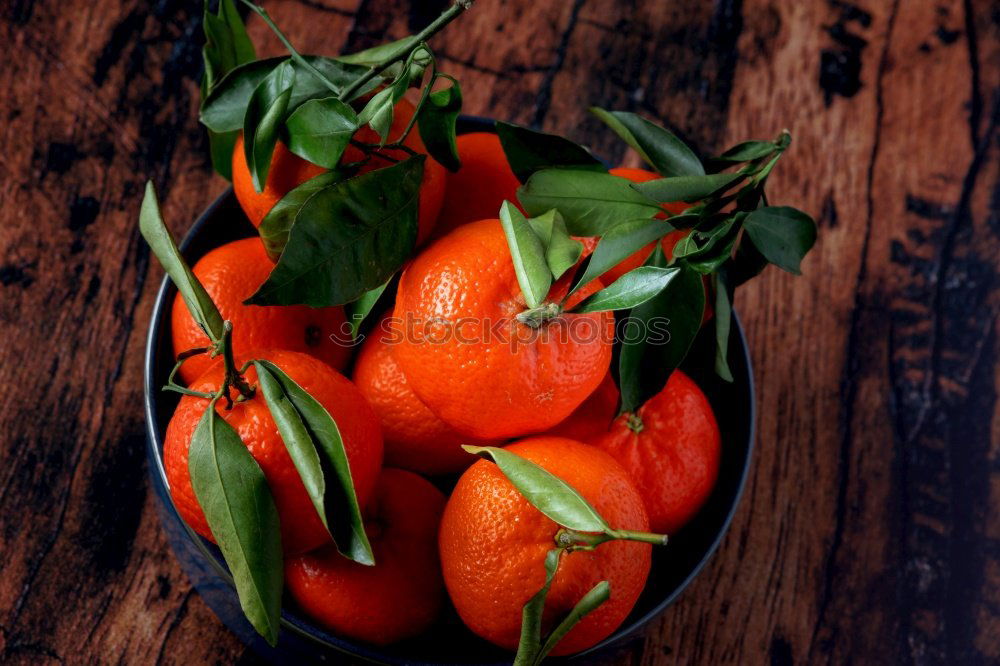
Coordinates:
448 642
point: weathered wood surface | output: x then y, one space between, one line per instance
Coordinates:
870 529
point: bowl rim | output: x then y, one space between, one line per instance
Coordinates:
312 632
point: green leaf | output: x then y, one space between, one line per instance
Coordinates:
591 203
227 44
561 250
723 316
264 115
529 151
597 595
226 47
686 188
242 46
218 52
528 255
302 416
417 64
635 287
747 263
357 311
761 176
709 262
197 300
747 151
220 148
667 324
378 54
782 234
379 110
275 226
661 149
296 438
529 647
621 242
232 491
546 492
347 238
320 129
436 122
706 250
225 106
686 220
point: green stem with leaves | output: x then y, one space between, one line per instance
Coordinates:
446 17
198 302
296 56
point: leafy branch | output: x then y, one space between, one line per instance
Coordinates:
730 233
542 250
305 100
405 49
228 483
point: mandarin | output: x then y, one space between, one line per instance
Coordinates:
402 594
493 545
230 274
478 189
671 447
415 438
470 359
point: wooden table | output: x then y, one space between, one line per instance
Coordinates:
869 531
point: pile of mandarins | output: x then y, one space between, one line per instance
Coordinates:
416 395
414 299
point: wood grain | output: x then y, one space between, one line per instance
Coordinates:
869 531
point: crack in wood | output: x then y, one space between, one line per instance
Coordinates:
543 97
853 364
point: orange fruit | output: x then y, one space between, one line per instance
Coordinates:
288 171
231 273
593 417
471 361
301 527
672 455
402 594
668 242
493 545
415 438
484 181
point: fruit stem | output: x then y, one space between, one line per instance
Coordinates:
575 540
446 17
634 423
234 375
172 384
535 317
644 537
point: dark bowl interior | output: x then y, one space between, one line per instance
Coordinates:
448 642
